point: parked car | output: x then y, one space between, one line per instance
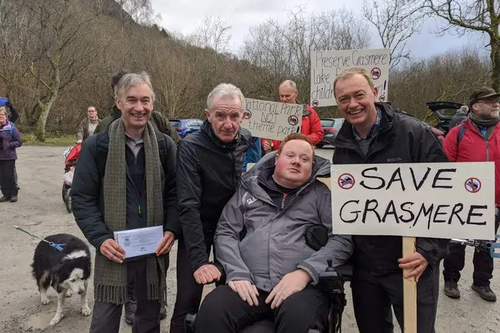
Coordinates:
444 111
186 126
331 126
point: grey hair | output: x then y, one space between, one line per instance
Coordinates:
132 80
289 83
225 90
3 109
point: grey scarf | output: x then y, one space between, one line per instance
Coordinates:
488 123
110 278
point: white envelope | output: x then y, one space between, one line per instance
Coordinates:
139 242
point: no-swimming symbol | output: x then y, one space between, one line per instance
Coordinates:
346 181
248 114
293 120
473 185
375 72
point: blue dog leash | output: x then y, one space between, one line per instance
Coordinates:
58 247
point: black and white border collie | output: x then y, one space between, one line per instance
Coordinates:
67 271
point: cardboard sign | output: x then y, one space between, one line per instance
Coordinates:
272 120
326 65
437 200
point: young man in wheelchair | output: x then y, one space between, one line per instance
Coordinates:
271 271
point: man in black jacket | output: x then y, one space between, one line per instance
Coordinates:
374 133
160 123
125 179
208 172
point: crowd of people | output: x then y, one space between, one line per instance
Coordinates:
134 172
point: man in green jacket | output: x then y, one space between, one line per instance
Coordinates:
159 121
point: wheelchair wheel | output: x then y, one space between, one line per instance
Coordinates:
68 201
64 193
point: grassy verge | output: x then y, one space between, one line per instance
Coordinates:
62 141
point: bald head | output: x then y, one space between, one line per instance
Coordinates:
288 92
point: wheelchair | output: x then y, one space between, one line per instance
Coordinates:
331 281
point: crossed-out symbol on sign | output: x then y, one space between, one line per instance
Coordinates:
346 181
473 185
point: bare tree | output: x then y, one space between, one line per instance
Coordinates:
213 33
448 77
480 16
284 49
56 61
396 22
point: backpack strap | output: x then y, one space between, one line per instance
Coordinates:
162 146
461 133
12 130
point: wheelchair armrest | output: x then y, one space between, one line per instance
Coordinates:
332 281
190 323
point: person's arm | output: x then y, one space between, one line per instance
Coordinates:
189 204
85 194
227 239
170 193
317 133
450 144
81 131
14 115
339 248
17 140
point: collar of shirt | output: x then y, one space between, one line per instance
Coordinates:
373 130
135 144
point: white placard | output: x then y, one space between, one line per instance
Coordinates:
437 200
326 65
272 120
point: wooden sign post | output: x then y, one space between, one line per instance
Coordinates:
409 291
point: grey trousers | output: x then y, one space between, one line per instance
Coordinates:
106 316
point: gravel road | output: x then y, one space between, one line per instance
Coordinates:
41 211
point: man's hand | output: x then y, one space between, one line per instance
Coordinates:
267 146
166 243
415 264
207 274
112 250
247 291
290 284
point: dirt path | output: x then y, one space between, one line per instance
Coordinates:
41 210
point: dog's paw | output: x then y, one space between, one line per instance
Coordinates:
69 294
86 311
57 318
45 300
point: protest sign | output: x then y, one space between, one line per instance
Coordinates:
327 65
272 120
439 200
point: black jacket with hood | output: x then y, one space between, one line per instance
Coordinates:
208 173
401 138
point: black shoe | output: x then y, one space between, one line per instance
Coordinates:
4 199
130 308
485 293
163 312
13 198
451 289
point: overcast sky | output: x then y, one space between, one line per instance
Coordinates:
186 15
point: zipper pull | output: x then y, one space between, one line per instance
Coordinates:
139 209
